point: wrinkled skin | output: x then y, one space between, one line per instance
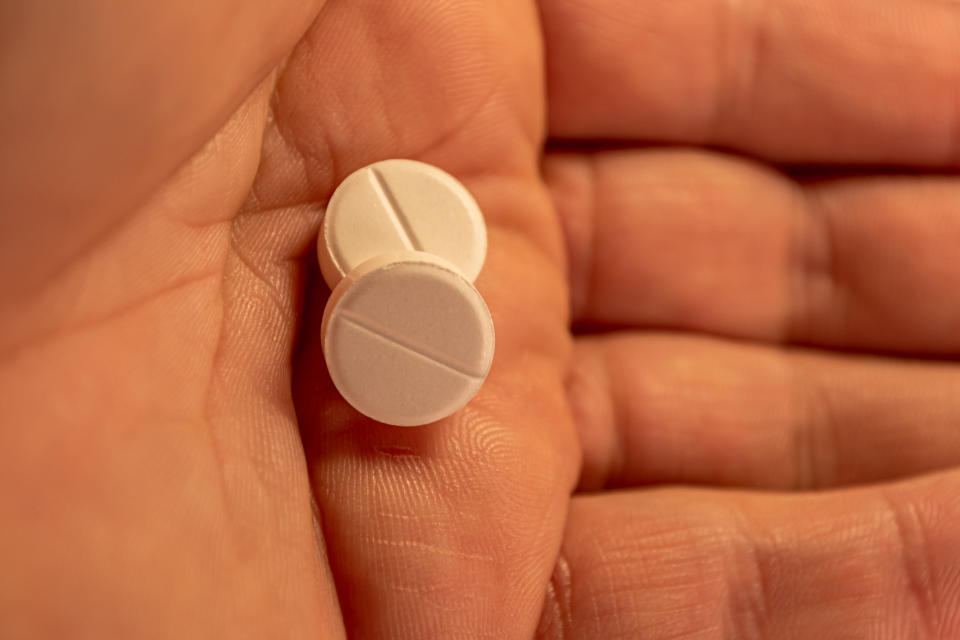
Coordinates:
764 364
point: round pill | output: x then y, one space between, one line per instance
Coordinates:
407 339
400 205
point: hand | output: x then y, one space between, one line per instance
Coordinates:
176 462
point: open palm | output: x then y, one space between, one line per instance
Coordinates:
177 463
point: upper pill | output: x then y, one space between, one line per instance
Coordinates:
401 205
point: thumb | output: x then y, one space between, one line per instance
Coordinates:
104 99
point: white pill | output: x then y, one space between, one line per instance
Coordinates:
407 339
400 205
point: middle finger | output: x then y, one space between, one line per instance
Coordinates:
707 242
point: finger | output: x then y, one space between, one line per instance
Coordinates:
655 408
839 82
104 100
467 99
877 562
700 241
448 529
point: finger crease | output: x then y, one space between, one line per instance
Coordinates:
915 561
749 592
742 32
815 430
812 273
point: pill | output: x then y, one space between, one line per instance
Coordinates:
400 205
407 339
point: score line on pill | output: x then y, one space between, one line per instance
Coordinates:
400 205
407 339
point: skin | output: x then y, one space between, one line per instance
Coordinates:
763 367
